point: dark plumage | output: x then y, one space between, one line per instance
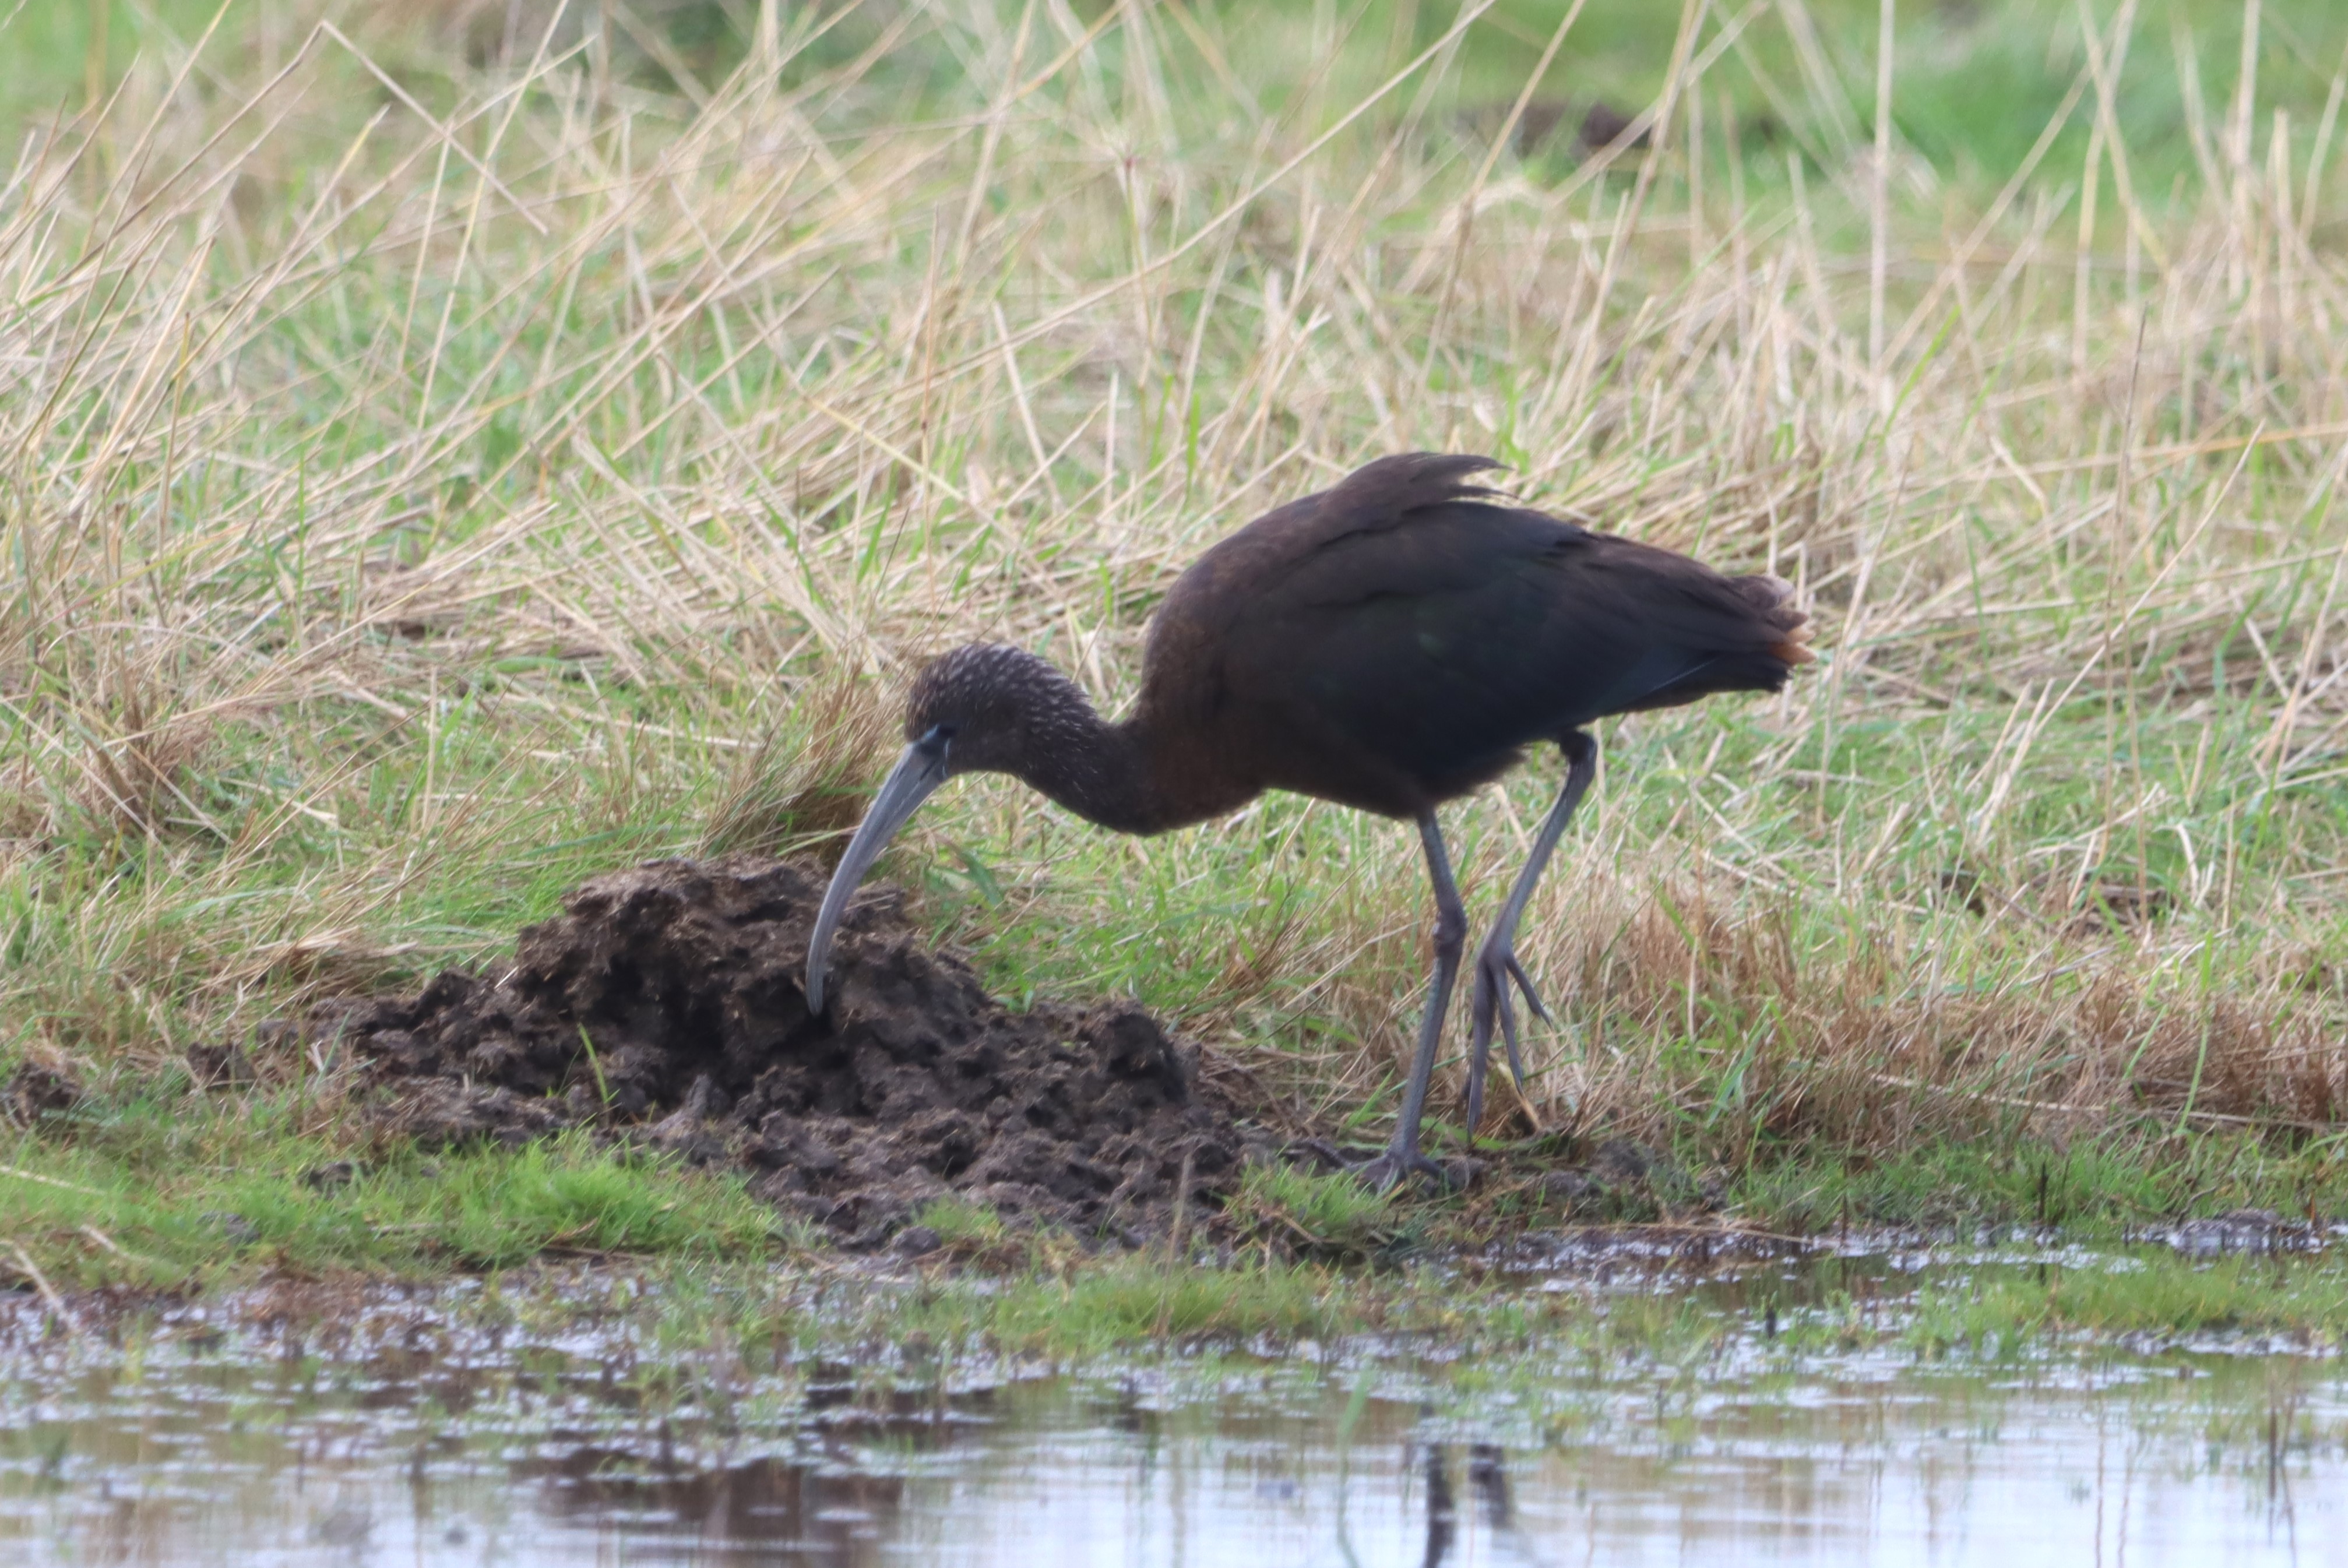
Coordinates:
1390 643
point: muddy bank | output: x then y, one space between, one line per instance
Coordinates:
664 1006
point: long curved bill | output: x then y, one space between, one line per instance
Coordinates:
919 771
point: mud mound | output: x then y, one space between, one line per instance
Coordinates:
665 1006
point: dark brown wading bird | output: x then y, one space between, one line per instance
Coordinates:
1390 644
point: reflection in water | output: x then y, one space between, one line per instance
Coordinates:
1487 1478
1442 1517
1488 1472
415 1439
759 1501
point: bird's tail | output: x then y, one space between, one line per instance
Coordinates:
1773 598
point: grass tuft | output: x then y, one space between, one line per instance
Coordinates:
963 1223
284 1201
1324 1214
1115 1304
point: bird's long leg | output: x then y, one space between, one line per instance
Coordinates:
1496 961
1402 1156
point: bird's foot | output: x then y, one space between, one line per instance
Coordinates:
1383 1170
1391 1166
1496 969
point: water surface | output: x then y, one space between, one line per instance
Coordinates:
448 1426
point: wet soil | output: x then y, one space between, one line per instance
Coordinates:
664 1007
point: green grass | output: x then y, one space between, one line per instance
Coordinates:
1326 1213
1487 1329
2169 1298
208 1200
2097 1187
1118 1303
959 1222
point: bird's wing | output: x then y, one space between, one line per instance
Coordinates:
1378 498
1470 629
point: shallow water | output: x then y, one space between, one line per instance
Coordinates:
446 1427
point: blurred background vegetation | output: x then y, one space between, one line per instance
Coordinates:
1978 79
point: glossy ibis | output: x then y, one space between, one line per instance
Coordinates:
1391 643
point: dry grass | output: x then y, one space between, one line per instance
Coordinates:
803 786
430 477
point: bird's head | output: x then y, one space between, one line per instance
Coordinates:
985 708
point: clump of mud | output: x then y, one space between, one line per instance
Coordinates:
664 1006
34 1092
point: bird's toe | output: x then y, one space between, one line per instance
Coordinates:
1496 970
1524 984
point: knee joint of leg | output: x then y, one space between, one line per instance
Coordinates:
1450 930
